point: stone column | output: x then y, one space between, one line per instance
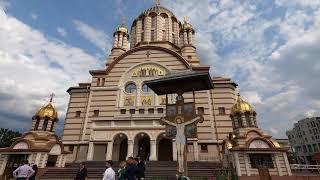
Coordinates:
37 160
246 161
276 157
90 151
115 40
153 150
64 161
195 151
287 163
185 40
120 43
237 163
3 164
44 161
130 148
109 150
147 29
174 151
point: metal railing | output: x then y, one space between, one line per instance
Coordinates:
301 167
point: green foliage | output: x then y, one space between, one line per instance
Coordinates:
7 137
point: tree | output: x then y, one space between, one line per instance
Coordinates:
7 137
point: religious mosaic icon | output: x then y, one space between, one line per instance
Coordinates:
146 100
129 101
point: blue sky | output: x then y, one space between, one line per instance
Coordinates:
271 48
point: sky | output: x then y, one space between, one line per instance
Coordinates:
271 48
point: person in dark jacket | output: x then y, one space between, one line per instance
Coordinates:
131 170
122 170
141 168
35 168
82 173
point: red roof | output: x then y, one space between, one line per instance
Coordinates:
316 157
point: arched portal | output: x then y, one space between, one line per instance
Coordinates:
120 147
142 146
164 150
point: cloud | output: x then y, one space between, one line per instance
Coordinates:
62 31
96 36
269 48
4 4
31 67
34 16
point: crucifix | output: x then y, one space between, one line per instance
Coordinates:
148 54
181 118
185 19
157 2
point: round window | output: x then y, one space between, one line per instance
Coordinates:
145 88
130 88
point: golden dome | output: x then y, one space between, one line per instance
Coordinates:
241 106
275 143
187 26
48 111
122 28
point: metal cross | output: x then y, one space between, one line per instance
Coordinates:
185 18
51 96
148 54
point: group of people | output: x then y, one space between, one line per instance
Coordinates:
132 169
25 172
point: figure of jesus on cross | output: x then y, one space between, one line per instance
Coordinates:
180 137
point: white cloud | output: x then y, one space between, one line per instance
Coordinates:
4 4
95 36
34 16
62 31
32 66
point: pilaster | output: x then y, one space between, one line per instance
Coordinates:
109 150
90 151
130 148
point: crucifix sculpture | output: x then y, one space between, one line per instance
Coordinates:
181 118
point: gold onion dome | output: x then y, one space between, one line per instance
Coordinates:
122 28
48 111
187 26
241 106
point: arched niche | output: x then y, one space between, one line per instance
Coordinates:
21 145
55 150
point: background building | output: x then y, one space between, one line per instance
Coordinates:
304 139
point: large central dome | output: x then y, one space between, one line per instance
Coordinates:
158 10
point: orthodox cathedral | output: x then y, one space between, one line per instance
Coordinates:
116 115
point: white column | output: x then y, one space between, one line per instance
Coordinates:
109 151
246 161
63 161
174 150
153 150
37 161
196 151
287 163
90 152
59 160
30 158
3 164
236 160
276 157
130 148
44 161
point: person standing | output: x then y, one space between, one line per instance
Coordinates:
131 170
109 174
141 168
82 173
23 172
35 168
122 170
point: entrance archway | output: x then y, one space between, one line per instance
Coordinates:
164 148
120 147
142 146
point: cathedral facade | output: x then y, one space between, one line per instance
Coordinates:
116 115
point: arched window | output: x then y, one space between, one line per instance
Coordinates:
45 124
145 88
130 88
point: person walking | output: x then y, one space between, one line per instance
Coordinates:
141 166
109 174
122 170
23 172
82 173
131 170
35 168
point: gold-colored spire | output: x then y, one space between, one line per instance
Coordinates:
122 27
186 25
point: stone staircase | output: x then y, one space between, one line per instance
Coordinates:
155 170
